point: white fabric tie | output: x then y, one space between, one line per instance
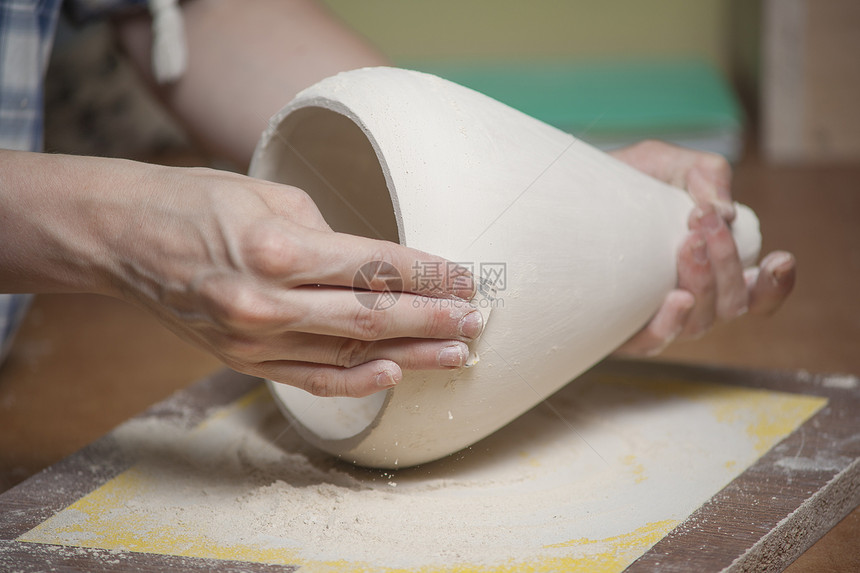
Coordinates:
169 53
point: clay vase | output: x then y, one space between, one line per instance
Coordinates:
579 249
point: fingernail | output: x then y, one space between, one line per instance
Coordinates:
779 274
780 266
471 325
454 355
726 210
385 379
723 201
715 190
651 352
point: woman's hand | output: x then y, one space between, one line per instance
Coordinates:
250 270
712 285
244 268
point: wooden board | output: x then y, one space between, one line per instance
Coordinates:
762 520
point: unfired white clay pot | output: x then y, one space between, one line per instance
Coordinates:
588 246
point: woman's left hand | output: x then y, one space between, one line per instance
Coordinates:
713 287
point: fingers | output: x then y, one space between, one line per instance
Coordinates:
351 375
664 328
308 252
709 269
732 299
230 306
328 381
712 188
344 313
330 366
408 353
713 288
696 276
771 283
337 259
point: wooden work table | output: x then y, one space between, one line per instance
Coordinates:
83 364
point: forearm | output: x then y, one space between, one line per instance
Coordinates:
54 223
96 225
246 60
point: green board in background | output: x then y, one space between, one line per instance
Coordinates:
613 103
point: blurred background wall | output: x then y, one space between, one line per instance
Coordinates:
513 29
785 71
792 63
611 72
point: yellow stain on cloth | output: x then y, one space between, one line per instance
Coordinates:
769 416
636 467
616 553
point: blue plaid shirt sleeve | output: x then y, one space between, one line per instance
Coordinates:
26 35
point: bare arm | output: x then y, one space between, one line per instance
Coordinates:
244 268
246 60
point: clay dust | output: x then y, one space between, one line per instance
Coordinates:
597 477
